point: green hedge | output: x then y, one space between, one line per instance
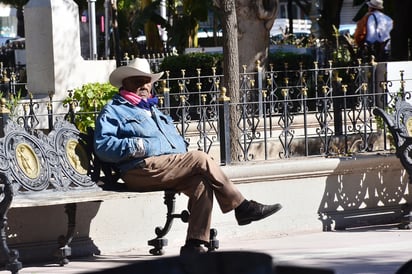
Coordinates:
278 60
204 61
191 62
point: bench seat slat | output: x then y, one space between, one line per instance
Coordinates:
56 198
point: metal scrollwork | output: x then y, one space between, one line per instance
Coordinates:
4 163
35 161
27 155
74 160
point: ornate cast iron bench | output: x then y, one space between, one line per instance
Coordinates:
399 123
38 169
398 120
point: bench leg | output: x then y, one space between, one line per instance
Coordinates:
64 249
12 264
406 217
159 242
213 242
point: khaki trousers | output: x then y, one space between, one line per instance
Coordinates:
196 175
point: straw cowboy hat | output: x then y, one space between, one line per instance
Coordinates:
375 4
136 67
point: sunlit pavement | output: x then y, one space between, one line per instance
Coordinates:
377 251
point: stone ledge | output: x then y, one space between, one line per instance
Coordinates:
307 188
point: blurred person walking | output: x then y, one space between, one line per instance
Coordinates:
372 34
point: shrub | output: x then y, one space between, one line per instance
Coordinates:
191 62
89 99
278 60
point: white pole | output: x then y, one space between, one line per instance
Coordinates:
92 29
164 16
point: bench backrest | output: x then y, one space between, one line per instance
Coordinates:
34 162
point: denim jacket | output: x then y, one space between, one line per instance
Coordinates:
126 134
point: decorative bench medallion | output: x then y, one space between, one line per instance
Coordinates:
77 156
74 158
409 126
27 161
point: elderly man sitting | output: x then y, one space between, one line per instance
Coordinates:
151 155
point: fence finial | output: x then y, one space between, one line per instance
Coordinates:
3 107
163 87
223 97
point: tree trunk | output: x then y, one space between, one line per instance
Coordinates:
153 41
20 21
401 35
231 69
330 16
255 19
246 25
290 16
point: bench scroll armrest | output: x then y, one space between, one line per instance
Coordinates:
402 140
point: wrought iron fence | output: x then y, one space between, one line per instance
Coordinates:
282 114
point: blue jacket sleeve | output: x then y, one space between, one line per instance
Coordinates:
109 147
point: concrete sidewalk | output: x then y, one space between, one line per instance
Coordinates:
377 251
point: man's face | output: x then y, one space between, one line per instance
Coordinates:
140 85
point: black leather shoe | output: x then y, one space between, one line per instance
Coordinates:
188 250
254 211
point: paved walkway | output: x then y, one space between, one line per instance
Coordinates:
377 251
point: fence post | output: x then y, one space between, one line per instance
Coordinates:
4 116
70 115
224 128
164 95
50 111
260 86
